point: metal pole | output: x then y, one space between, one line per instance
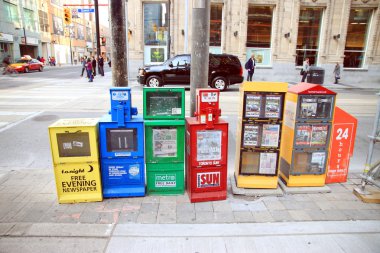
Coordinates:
118 46
199 49
97 31
71 52
373 140
186 25
24 35
169 37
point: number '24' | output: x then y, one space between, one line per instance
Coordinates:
342 134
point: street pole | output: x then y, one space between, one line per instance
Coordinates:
118 46
71 52
24 35
97 31
199 49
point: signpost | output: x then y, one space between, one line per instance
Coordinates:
86 10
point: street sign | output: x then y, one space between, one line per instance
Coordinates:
86 10
74 13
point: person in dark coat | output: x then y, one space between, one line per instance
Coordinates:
250 67
94 65
101 65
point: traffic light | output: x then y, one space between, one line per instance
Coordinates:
67 16
103 41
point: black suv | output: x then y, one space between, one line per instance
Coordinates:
224 70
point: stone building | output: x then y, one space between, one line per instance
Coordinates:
281 33
37 28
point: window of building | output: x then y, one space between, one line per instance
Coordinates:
80 32
30 23
11 13
216 27
156 29
88 34
357 33
259 34
308 35
44 23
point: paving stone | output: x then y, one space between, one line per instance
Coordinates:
108 217
167 218
335 215
167 208
316 215
203 207
88 217
168 199
131 207
295 205
325 205
257 206
224 217
114 205
282 215
263 216
76 208
222 206
349 195
151 199
204 217
370 214
149 207
185 207
243 216
182 198
128 217
373 206
52 216
135 200
355 214
147 218
317 196
239 207
186 217
5 227
348 205
299 215
301 197
274 205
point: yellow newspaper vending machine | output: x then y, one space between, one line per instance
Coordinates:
259 134
308 118
74 147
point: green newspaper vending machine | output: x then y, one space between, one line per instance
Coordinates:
164 118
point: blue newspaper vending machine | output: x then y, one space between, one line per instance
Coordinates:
121 136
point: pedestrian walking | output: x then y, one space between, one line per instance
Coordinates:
337 72
250 67
89 70
83 62
305 69
42 60
38 58
94 65
101 66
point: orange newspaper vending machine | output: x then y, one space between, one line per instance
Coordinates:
341 146
309 110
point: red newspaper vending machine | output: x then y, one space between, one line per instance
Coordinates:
206 150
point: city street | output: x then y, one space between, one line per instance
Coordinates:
30 102
32 220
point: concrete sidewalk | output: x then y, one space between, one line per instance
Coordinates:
33 221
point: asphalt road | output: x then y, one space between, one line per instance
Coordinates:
30 102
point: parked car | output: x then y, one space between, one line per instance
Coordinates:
224 70
26 64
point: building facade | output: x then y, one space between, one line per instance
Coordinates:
280 33
36 28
